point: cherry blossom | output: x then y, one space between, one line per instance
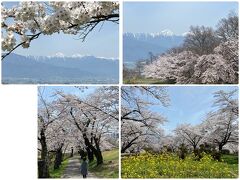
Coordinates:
30 19
188 68
140 126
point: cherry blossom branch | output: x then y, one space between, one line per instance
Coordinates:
35 36
53 17
86 29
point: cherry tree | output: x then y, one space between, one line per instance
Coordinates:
227 101
222 129
59 139
49 116
229 51
221 67
213 69
187 68
228 27
67 121
139 124
206 57
29 19
201 40
173 68
137 136
94 117
221 125
192 134
169 142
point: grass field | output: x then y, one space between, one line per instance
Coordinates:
230 159
109 168
57 173
170 166
142 80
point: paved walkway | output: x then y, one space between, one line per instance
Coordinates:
73 169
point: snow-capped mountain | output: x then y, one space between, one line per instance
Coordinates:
166 33
62 56
136 46
59 54
59 69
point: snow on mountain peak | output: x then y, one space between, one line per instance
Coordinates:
167 32
77 56
59 54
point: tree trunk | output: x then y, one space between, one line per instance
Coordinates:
58 158
82 153
99 157
71 152
97 153
194 147
90 154
220 147
43 171
128 145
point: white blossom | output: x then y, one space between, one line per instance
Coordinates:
30 18
187 68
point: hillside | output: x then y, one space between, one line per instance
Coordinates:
137 46
87 69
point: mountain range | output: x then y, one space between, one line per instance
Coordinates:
136 46
19 69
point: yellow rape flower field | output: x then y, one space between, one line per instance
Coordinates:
170 166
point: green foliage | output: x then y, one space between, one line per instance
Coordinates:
109 168
57 173
169 165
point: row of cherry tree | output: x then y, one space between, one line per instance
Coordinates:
28 20
141 127
67 121
220 127
206 56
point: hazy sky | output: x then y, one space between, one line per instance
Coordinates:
102 42
152 17
189 104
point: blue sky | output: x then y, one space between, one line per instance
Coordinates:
102 42
152 17
189 104
48 91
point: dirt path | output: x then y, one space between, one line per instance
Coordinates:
73 169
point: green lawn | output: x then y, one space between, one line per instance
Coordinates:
230 158
57 173
109 168
232 161
142 80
